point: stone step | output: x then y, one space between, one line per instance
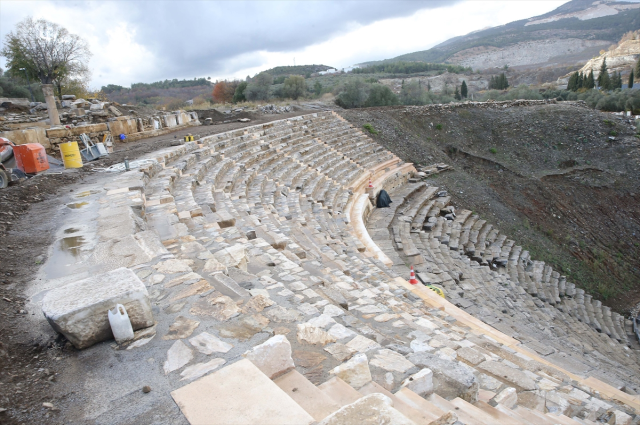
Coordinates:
312 399
420 404
465 415
499 415
339 391
240 394
420 417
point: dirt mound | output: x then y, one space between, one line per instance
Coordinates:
560 179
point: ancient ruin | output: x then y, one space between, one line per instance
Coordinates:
265 287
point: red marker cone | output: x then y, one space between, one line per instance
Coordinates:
412 277
370 185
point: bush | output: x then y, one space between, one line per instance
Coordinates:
353 94
380 95
294 86
370 128
493 150
438 126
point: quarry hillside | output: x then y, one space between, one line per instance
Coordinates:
561 179
572 33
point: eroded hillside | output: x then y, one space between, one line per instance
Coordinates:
561 179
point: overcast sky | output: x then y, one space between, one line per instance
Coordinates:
145 41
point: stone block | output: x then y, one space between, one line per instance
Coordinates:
507 398
420 383
513 377
355 372
79 309
233 256
451 379
272 357
373 409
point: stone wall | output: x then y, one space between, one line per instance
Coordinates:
30 135
62 135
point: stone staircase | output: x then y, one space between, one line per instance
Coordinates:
274 303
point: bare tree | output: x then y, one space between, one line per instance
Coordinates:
46 51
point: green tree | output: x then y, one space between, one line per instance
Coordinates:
317 88
294 86
573 82
463 90
590 82
637 69
456 94
630 85
381 95
258 88
238 95
604 81
47 51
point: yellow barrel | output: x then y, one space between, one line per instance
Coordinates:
71 155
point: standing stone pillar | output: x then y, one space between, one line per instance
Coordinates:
47 90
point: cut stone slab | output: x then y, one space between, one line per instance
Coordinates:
233 256
362 344
385 317
333 311
173 266
391 361
280 314
214 266
420 383
272 357
355 372
177 356
321 321
312 335
197 370
373 409
238 394
339 351
78 310
451 379
513 377
340 331
181 328
257 304
193 289
470 356
209 344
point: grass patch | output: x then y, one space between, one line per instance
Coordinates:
438 126
370 128
609 123
493 150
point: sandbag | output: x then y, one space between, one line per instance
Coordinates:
384 201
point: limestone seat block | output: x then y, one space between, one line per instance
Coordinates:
311 398
238 394
79 309
373 409
272 357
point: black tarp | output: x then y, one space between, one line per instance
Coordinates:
383 200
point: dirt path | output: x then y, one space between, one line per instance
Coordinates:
32 361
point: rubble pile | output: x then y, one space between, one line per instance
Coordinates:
274 109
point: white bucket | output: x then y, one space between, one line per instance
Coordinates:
120 324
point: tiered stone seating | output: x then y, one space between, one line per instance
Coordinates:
262 253
526 299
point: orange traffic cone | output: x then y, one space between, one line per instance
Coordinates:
412 277
370 185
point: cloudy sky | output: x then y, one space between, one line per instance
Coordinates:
145 41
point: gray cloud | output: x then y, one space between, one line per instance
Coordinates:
202 37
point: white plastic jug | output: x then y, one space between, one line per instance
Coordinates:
120 324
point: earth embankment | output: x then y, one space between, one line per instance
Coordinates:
561 179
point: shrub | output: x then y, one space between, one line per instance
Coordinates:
294 86
493 150
380 95
370 128
438 126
